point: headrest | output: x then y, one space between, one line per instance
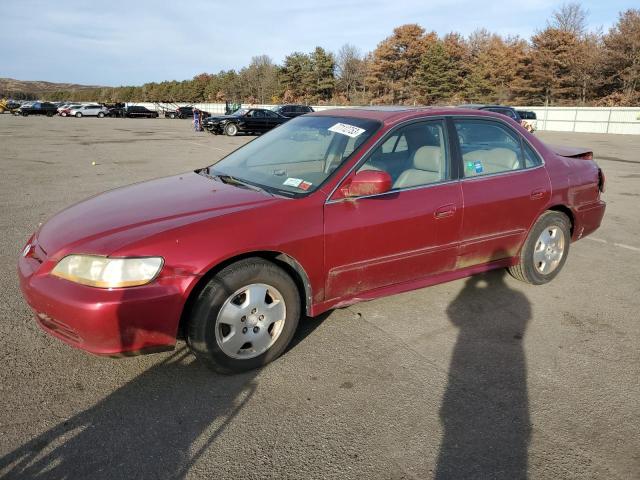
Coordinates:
427 158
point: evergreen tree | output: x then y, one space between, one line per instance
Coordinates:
437 77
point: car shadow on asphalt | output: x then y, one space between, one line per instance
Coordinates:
156 426
485 409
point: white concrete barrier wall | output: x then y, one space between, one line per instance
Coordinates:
620 120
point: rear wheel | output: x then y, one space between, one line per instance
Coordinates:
49 114
100 114
244 317
231 129
172 116
545 251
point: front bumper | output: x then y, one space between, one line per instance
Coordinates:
213 128
113 322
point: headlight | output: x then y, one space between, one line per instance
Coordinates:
107 272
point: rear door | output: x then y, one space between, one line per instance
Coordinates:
408 233
505 188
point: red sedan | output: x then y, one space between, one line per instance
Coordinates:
329 209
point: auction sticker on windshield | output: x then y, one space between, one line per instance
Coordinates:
298 183
346 129
292 182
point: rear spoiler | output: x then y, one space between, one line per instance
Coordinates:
572 152
582 153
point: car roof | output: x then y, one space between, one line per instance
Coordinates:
395 114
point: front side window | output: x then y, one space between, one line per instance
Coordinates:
414 155
488 147
299 155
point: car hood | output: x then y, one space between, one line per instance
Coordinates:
106 222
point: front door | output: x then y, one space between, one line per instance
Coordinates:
405 234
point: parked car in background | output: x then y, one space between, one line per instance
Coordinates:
65 110
136 111
329 209
91 110
252 120
502 109
529 120
183 112
37 108
291 111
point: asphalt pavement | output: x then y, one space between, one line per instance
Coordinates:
483 377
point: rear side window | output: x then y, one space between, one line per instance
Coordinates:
531 158
488 147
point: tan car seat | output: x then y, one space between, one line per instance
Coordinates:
427 168
493 161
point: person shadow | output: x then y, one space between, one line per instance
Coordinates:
155 426
485 410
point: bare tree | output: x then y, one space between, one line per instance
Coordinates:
572 18
350 69
261 78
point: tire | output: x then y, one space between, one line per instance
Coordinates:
78 115
539 265
63 114
100 114
265 334
231 129
49 114
172 116
25 114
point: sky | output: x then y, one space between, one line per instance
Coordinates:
131 42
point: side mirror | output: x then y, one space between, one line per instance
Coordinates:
366 182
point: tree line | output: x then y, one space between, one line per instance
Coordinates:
561 64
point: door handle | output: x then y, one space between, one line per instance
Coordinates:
537 194
445 211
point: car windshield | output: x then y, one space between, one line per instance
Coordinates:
298 156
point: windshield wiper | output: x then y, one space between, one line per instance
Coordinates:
229 179
237 181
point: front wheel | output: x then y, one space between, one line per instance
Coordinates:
545 251
244 317
78 115
231 129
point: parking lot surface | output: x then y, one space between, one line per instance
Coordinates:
478 378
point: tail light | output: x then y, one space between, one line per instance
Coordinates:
601 180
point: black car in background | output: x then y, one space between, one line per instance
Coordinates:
183 112
38 108
140 112
527 115
291 111
504 110
253 120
